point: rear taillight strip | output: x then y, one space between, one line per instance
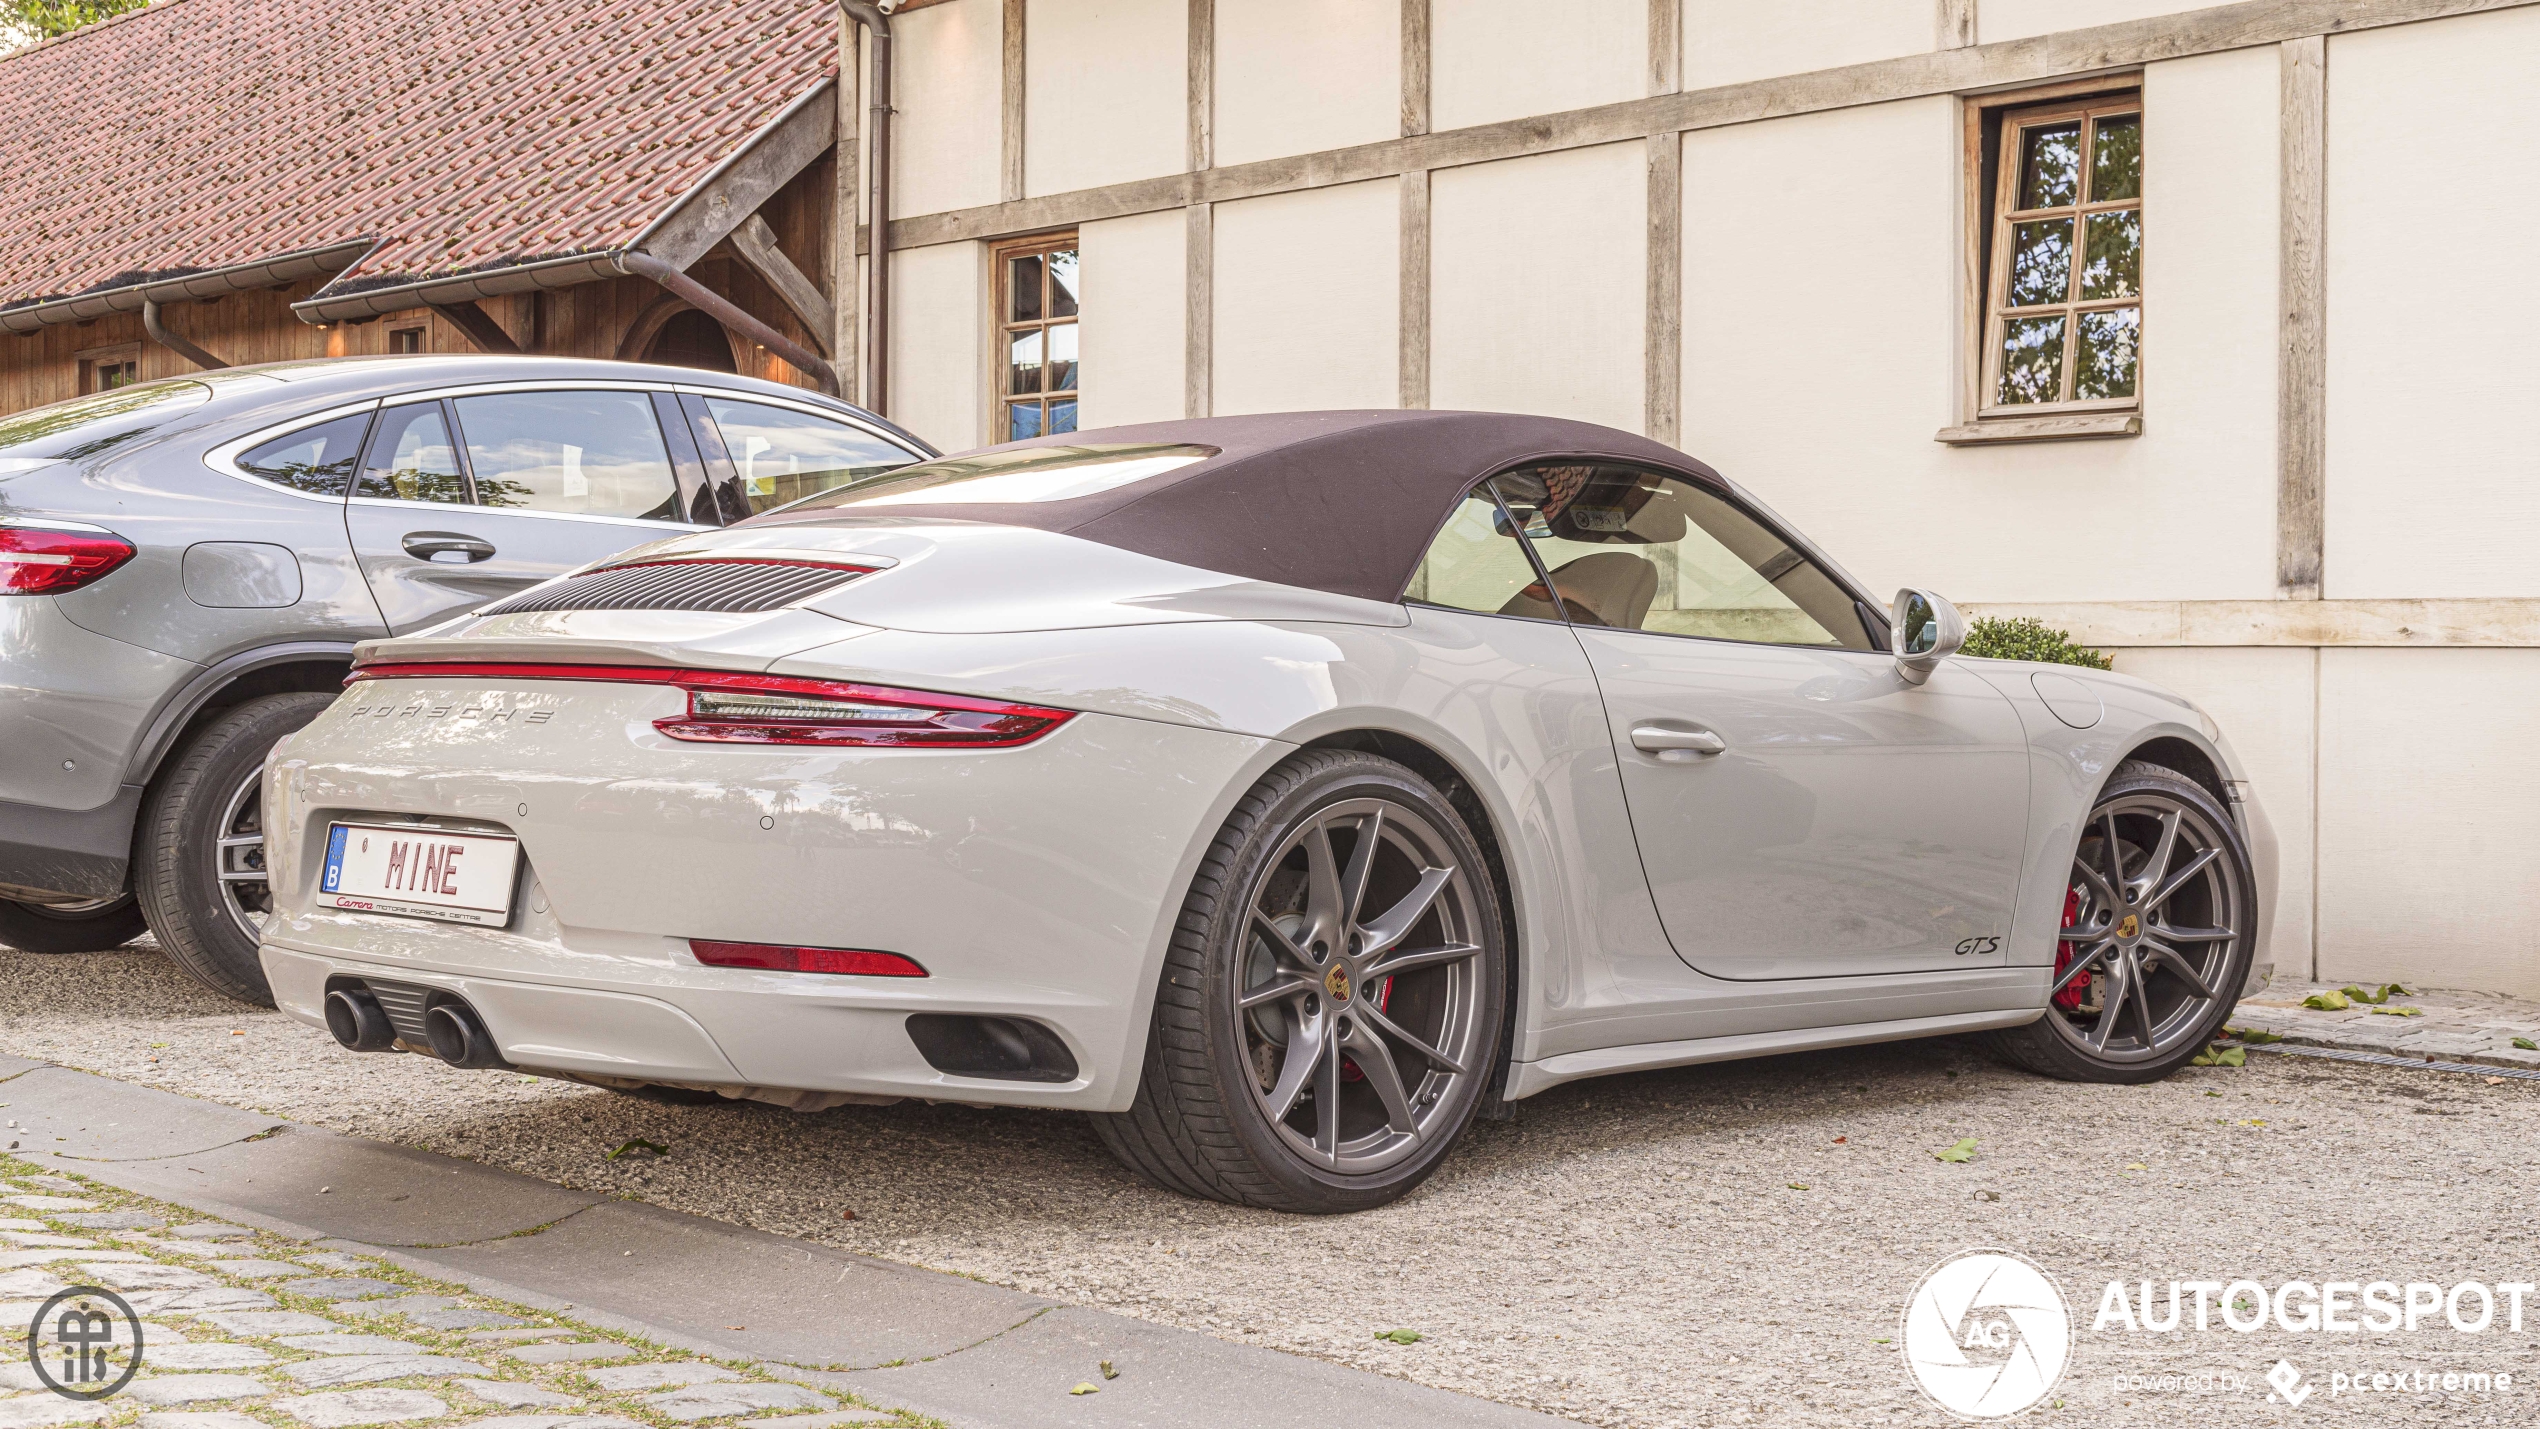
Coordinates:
936 721
38 559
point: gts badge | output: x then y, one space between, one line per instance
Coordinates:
1978 947
488 714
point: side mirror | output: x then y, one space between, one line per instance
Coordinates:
1923 630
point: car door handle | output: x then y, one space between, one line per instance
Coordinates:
432 545
1676 746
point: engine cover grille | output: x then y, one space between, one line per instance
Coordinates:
731 586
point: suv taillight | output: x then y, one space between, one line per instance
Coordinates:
46 560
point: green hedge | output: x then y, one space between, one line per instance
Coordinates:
2028 639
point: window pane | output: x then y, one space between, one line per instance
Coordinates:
1476 564
1022 362
411 458
2104 366
782 455
1063 415
2050 166
1062 357
318 458
1637 550
1023 289
2112 256
2032 360
581 453
1063 284
2041 263
2116 159
1022 419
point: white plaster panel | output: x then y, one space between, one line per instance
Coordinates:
1132 287
2433 482
1297 76
1820 320
1539 285
2016 19
1104 97
947 88
2263 699
2428 873
939 325
1308 296
1732 41
1505 59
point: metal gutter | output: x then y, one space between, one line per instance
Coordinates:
272 272
561 272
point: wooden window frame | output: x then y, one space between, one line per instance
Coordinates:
1001 331
112 355
1992 123
422 336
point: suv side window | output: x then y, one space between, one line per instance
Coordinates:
411 458
779 455
1476 563
575 453
1643 550
316 459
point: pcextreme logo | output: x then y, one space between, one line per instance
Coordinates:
1987 1334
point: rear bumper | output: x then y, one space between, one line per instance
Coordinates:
1039 882
55 854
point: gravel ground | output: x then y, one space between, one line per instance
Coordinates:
1725 1245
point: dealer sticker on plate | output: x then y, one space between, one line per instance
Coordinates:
420 873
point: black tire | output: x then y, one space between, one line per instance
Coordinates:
1201 1124
176 867
36 928
2221 897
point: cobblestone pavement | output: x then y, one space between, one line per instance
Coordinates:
2450 1026
1728 1245
249 1331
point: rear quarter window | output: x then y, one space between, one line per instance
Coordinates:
317 459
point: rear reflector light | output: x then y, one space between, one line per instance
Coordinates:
727 707
781 958
46 560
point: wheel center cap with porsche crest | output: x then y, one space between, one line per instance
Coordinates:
1336 982
2131 926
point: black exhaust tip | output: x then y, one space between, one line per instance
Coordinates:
458 1036
358 1021
1004 1049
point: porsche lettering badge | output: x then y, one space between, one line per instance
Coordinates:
1336 982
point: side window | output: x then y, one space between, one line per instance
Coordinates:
781 456
1476 563
411 458
577 453
318 459
1637 550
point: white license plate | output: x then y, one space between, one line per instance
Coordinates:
420 873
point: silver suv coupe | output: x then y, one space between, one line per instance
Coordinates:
186 565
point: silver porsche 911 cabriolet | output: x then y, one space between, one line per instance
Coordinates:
1285 791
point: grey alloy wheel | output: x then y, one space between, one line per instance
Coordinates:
1358 1006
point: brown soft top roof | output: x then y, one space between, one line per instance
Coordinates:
1345 502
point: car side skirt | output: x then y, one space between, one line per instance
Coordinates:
1527 1078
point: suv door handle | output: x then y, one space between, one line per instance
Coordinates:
430 545
1676 746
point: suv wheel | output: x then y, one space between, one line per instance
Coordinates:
70 927
201 870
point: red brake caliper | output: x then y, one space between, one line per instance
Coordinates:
2070 998
1384 1003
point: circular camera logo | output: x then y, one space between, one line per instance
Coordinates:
1987 1334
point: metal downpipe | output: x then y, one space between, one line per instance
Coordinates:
159 334
878 25
730 314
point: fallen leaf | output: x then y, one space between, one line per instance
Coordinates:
2327 1002
1964 1150
2213 1094
2363 994
1841 1139
634 1144
736 1327
2253 1123
1882 1342
1988 1195
1108 1372
1797 1185
2398 1012
1400 1337
2136 1166
846 1215
2255 1037
1086 1389
2220 1056
2495 1081
2527 1044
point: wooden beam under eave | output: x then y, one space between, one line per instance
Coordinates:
756 243
478 326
